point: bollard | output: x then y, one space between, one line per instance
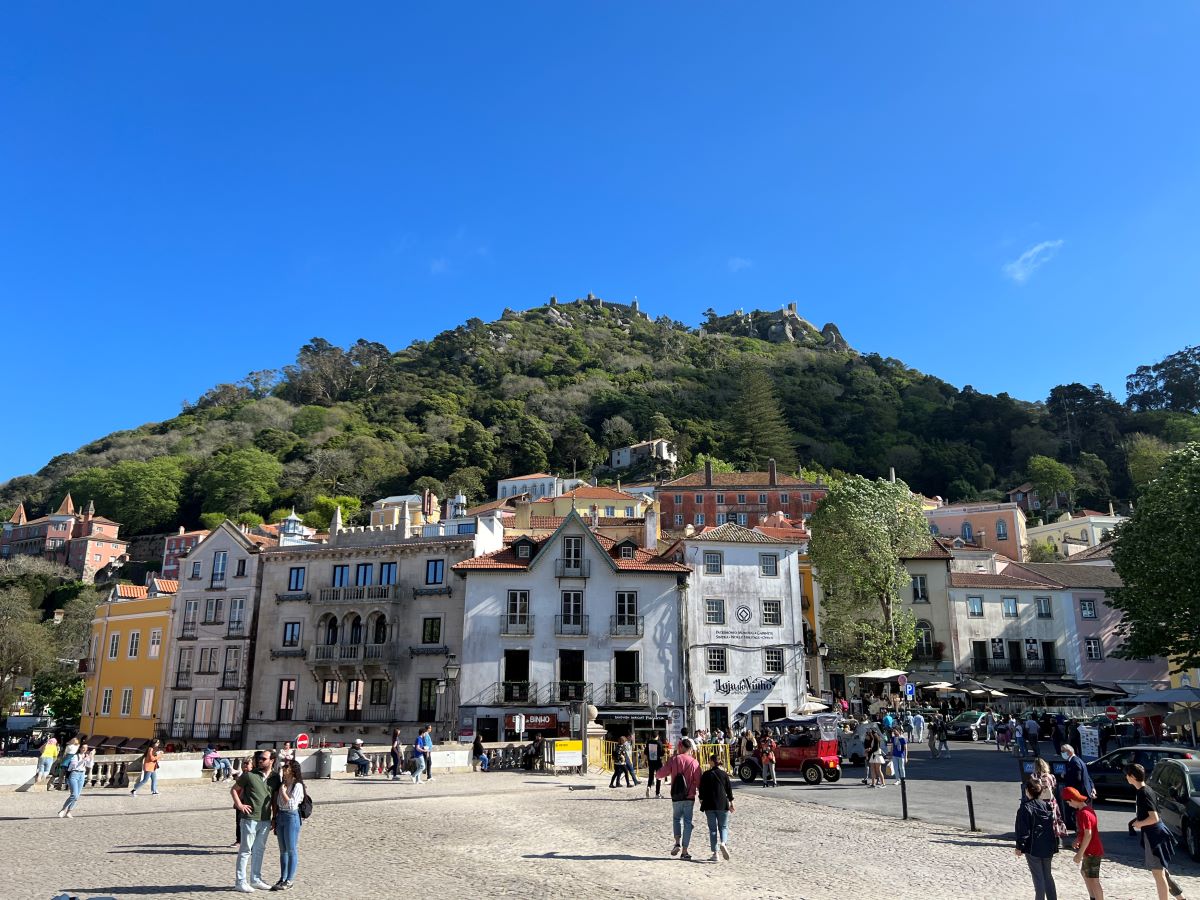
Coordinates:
971 808
904 796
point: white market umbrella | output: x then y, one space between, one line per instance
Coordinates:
880 675
811 705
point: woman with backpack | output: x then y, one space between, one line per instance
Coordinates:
1037 839
288 803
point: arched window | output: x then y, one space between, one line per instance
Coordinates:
356 630
380 632
331 631
968 534
1001 530
924 648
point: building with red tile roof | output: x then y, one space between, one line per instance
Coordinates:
84 542
706 498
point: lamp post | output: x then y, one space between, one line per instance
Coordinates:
449 680
822 655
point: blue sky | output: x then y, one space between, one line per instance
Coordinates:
1002 195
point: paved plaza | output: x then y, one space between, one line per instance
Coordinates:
518 835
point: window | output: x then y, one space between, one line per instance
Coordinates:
233 660
742 518
572 607
784 499
806 498
341 576
1095 649
1043 608
287 699
185 660
924 648
427 699
714 612
968 534
1001 530
379 692
716 659
208 660
974 607
291 634
435 570
237 612
741 498
106 702
1087 609
1010 607
241 569
678 520
722 518
773 660
772 612
768 564
296 578
518 607
114 645
699 518
627 607
212 610
920 589
720 499
127 701
626 552
147 702
431 630
762 498
329 691
387 573
196 569
699 498
220 561
678 499
522 551
155 643
135 643
712 563
191 612
610 511
364 574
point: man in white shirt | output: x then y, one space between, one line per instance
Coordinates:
918 724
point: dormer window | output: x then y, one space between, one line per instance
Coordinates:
626 552
523 551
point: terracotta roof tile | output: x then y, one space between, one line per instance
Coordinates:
988 580
167 585
523 477
739 479
587 492
131 591
733 533
787 535
1071 576
506 559
503 503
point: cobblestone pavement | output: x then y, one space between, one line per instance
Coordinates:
508 834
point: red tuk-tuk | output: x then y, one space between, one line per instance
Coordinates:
806 744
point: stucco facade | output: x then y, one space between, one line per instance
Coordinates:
999 527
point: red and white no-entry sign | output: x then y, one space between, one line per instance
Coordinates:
302 741
1111 712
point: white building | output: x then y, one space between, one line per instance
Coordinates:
743 628
538 486
634 454
569 618
1074 534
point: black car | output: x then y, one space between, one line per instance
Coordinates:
967 726
1175 784
1108 772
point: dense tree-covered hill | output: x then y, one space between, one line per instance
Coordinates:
555 387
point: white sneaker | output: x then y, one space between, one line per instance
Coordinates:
62 813
260 885
713 858
724 850
244 888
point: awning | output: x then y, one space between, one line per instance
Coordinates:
112 743
1170 695
1010 687
1104 690
134 745
1146 711
880 675
1064 690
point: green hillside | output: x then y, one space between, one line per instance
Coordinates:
555 387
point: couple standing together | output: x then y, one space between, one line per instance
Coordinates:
716 800
268 802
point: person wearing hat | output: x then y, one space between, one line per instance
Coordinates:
356 757
1088 849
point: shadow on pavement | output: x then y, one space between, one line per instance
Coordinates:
599 857
157 890
171 850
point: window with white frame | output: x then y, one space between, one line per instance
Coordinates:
721 499
147 702
768 564
920 589
714 612
1095 650
1043 608
626 551
135 644
155 643
699 519
1010 607
1087 609
106 702
741 498
610 511
523 551
784 499
196 569
678 498
722 518
114 645
712 562
699 498
773 660
127 701
975 607
716 659
742 518
772 612
678 519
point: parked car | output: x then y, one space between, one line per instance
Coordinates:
967 726
1108 772
1175 784
810 750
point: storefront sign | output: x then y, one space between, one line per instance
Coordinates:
743 686
533 721
742 635
568 753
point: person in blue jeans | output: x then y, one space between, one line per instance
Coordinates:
684 772
288 798
77 771
149 768
716 802
252 796
426 740
418 751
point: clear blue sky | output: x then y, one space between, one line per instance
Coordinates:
1003 195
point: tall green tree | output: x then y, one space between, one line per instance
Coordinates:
239 480
1144 457
861 532
1050 478
1157 555
761 432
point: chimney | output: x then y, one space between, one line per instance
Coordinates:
892 474
771 472
181 529
1111 512
708 472
981 537
650 536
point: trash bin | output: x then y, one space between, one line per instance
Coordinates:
324 763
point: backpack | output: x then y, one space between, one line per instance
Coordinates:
306 804
679 788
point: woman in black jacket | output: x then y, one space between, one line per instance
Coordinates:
716 802
1037 840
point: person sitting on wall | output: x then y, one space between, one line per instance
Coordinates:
356 757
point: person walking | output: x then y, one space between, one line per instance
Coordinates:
252 794
1156 839
1032 734
873 747
426 741
149 768
621 763
418 752
398 753
1078 777
918 722
631 761
78 766
1036 840
684 772
766 758
899 755
716 802
45 763
288 797
477 752
944 736
654 761
1089 851
933 727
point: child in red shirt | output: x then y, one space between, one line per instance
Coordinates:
1088 849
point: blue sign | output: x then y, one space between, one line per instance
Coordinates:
910 690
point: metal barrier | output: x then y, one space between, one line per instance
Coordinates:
703 752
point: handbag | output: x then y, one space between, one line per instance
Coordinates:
306 806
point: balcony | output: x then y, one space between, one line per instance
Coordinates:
381 654
87 665
343 653
627 693
626 626
237 629
516 692
189 631
201 731
289 652
334 713
576 626
1018 666
183 681
294 597
518 624
433 591
572 568
217 584
570 692
218 619
355 594
231 681
228 731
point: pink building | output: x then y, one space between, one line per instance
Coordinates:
176 547
999 527
87 543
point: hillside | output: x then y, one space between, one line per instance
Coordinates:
555 387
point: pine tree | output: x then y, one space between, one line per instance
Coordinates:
760 430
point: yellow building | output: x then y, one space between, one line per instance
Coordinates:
610 512
126 663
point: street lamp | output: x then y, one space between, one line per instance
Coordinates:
449 679
823 650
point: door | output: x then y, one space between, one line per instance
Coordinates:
756 720
488 729
979 655
626 676
1016 658
516 676
718 718
354 701
571 680
225 718
1049 657
179 711
237 611
202 719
